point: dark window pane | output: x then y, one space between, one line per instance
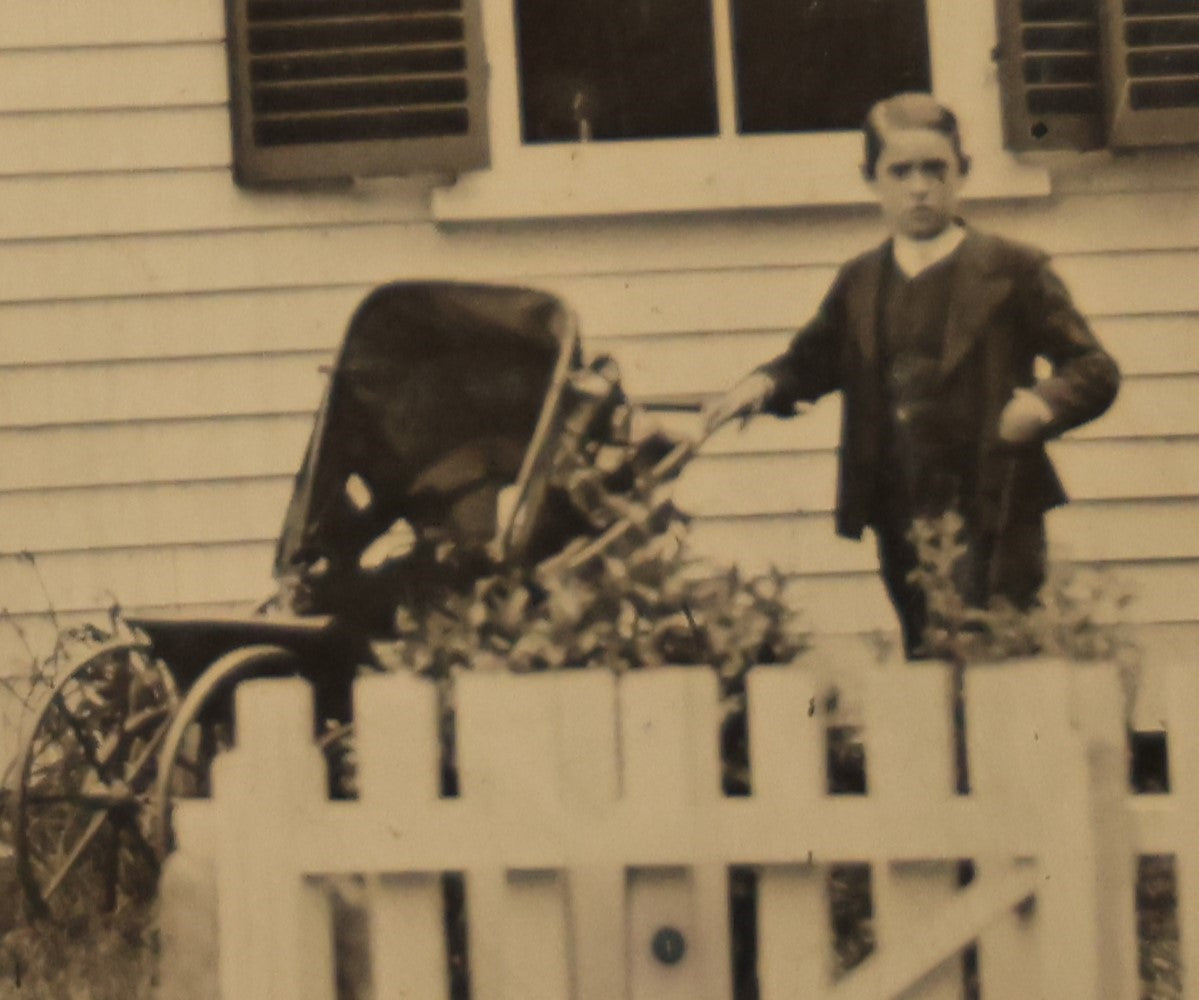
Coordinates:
810 65
615 69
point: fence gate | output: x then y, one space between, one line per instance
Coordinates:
592 854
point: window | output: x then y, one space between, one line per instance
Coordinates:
328 88
639 69
617 106
819 65
1083 74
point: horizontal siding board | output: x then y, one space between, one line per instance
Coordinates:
663 355
171 389
61 23
196 450
143 515
743 485
175 575
178 388
196 201
130 140
267 322
698 292
137 76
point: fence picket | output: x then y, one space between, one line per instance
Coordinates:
535 937
269 786
910 768
407 936
396 741
787 757
597 927
669 730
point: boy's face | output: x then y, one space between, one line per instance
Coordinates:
917 182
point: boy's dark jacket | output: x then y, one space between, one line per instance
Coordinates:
1006 308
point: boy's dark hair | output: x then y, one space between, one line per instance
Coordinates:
909 111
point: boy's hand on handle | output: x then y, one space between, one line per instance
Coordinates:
742 400
1024 418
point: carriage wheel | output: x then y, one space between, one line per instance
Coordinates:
202 728
78 825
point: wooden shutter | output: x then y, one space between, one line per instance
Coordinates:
1153 71
342 88
1051 73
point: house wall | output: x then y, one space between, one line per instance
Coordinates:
162 337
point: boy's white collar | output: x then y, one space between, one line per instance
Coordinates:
913 256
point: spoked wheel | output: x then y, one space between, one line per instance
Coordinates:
79 830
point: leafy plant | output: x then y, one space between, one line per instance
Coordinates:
1077 614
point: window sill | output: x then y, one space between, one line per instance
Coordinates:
694 175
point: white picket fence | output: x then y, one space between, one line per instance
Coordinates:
590 823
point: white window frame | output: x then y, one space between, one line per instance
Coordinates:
728 171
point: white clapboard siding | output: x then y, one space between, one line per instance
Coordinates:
132 76
187 326
1112 284
163 389
127 140
69 23
199 200
194 450
143 515
176 575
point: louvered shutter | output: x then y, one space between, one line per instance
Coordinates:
1153 71
341 88
1051 73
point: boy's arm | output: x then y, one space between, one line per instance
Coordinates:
810 366
806 370
1085 377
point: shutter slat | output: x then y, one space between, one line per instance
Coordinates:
356 126
348 96
354 32
381 61
260 11
326 88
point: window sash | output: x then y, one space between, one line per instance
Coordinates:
727 171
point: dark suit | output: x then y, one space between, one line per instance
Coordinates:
1006 308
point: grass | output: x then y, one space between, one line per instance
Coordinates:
95 957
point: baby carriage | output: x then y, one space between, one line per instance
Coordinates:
427 464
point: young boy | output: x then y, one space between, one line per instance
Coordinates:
932 339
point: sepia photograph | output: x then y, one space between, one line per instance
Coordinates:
599 499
